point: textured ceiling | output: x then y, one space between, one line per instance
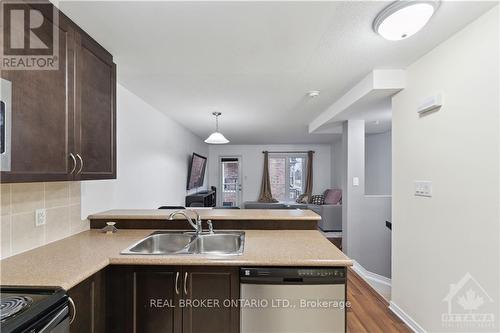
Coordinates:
253 61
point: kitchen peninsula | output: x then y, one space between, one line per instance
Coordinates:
108 287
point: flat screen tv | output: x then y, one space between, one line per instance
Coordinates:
196 172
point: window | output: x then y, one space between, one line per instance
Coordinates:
287 174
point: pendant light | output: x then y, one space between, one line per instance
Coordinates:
404 18
216 138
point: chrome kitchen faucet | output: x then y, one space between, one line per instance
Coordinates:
184 212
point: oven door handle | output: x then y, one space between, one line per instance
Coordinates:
55 321
73 310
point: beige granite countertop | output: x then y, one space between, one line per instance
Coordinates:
71 260
212 214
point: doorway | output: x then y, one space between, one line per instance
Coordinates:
230 181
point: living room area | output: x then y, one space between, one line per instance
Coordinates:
236 171
298 176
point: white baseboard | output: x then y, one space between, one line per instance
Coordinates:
412 324
382 280
367 275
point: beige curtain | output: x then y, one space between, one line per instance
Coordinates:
309 178
265 187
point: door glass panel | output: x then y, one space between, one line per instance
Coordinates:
230 183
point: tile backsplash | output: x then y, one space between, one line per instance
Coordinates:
18 232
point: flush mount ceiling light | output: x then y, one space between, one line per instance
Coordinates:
216 138
404 18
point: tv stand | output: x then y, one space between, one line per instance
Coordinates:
201 199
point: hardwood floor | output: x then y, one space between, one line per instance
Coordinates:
369 311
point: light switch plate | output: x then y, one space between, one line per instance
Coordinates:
423 188
40 217
355 181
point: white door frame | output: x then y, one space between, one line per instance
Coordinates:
240 179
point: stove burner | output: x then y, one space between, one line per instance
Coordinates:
11 305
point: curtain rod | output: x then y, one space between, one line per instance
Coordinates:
287 152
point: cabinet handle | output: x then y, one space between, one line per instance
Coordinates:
73 310
185 282
81 164
74 162
177 283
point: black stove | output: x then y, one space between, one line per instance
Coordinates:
10 305
33 310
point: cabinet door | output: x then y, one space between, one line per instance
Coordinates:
89 299
95 132
144 299
42 112
211 283
156 301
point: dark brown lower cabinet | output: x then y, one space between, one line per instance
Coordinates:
172 299
89 298
155 301
218 286
143 299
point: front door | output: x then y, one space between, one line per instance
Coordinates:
230 181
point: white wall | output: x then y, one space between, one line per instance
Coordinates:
378 164
337 164
252 164
153 153
437 240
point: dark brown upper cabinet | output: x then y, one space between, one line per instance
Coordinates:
41 115
62 122
95 122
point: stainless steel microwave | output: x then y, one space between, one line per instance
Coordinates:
5 123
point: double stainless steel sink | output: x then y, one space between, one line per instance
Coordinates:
168 243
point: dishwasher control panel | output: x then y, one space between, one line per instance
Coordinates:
321 272
305 275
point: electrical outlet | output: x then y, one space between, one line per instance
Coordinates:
40 217
423 188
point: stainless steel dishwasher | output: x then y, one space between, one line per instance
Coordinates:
292 300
